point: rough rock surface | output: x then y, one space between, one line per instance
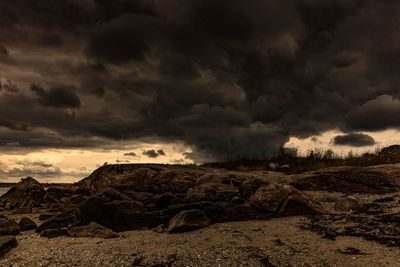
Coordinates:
188 220
92 230
284 200
27 193
57 221
26 224
52 233
8 227
7 243
380 179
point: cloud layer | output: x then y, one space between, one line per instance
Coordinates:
228 78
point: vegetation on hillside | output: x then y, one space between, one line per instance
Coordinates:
315 159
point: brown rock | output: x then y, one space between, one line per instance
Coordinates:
26 224
347 204
92 230
6 244
188 220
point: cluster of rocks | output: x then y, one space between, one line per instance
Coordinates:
174 199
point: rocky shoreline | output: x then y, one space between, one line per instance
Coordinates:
117 203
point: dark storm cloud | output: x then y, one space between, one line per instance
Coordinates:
228 78
378 114
153 153
130 154
57 97
354 140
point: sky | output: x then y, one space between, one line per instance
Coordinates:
85 82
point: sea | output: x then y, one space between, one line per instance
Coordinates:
4 190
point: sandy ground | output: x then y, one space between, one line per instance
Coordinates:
254 243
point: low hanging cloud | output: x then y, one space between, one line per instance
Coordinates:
152 153
130 154
354 140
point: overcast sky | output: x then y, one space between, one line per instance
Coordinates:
83 82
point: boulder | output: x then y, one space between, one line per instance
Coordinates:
299 205
26 224
284 200
273 166
92 230
164 200
215 177
372 180
52 233
6 244
217 211
45 216
26 193
58 221
347 204
8 227
117 212
211 192
188 220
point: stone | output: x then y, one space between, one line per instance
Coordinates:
211 192
117 213
216 176
284 200
28 192
58 221
380 179
298 205
164 200
188 220
7 243
347 204
273 166
26 224
92 230
52 233
8 227
45 216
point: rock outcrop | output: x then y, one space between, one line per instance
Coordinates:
6 244
27 193
188 220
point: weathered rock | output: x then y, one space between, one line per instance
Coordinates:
26 224
45 216
155 179
117 212
188 220
249 186
284 200
6 244
374 180
26 193
299 205
164 200
270 198
217 211
212 192
92 230
58 221
273 166
347 204
24 210
52 233
215 177
8 227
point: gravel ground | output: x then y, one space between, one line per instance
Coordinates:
279 242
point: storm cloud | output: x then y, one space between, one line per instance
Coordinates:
354 140
227 78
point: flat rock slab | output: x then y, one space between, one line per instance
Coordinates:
7 243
